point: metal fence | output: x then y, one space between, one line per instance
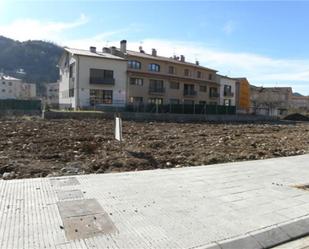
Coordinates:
182 109
16 104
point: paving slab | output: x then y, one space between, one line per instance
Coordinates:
253 204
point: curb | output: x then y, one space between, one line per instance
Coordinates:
267 237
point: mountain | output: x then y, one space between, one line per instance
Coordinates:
33 61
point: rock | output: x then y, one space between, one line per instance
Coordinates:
8 175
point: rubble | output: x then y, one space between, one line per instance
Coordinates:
41 148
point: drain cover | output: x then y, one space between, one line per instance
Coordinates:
61 182
69 194
84 218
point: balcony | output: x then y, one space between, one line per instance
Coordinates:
156 90
214 95
101 81
228 94
189 93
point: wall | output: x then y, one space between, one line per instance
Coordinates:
158 117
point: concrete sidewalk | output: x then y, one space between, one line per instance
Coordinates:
236 205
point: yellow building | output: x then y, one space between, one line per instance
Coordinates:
242 95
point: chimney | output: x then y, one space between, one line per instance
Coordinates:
93 49
106 50
182 58
113 50
197 63
141 49
123 46
154 52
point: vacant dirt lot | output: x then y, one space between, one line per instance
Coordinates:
32 148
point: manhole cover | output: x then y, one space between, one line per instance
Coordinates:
84 218
61 182
69 194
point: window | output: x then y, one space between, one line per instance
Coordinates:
3 90
174 85
136 81
171 70
188 90
203 88
156 86
71 70
187 72
154 67
227 102
10 83
101 76
134 64
136 100
158 101
101 97
202 102
3 82
199 74
174 101
71 92
213 92
210 76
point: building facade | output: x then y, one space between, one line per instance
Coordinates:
91 78
273 101
242 95
117 76
227 90
52 94
13 88
162 80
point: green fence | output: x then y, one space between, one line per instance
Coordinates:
182 109
23 105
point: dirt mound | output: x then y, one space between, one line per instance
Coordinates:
39 148
296 117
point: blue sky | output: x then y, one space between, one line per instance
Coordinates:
265 41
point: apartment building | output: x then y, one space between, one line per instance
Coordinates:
91 78
13 88
227 90
117 76
163 80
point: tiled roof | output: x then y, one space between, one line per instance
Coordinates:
92 54
162 58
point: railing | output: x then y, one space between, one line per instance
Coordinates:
214 95
156 90
103 81
181 108
228 94
189 93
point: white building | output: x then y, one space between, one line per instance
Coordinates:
52 94
12 88
91 78
227 90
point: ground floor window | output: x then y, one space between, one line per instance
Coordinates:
227 102
98 96
202 102
158 101
136 100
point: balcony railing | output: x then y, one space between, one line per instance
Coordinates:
157 90
103 81
214 95
189 93
228 94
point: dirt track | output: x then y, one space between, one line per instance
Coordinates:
46 148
